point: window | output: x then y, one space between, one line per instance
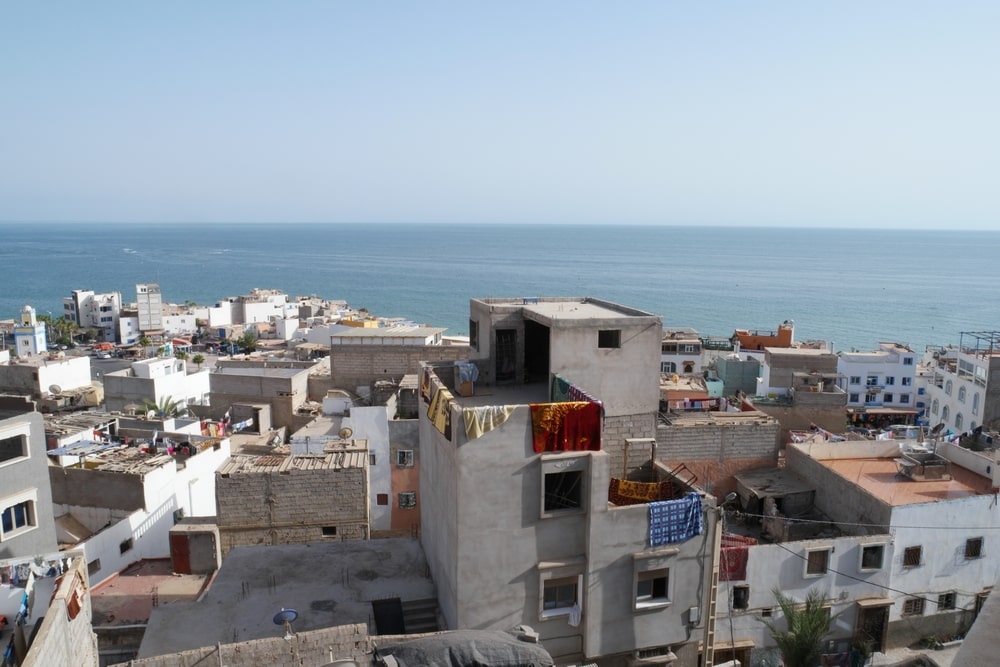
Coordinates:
371 459
855 379
872 380
652 588
381 498
959 420
126 546
934 406
563 490
961 394
817 562
741 597
854 398
871 557
890 379
668 367
887 398
474 334
871 397
907 361
921 391
407 499
13 447
946 601
945 413
947 387
913 607
689 349
906 382
904 398
609 338
329 531
975 403
17 517
974 547
563 484
912 556
93 567
559 594
404 458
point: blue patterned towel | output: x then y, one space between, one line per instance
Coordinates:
673 521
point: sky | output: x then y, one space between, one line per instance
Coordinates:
846 114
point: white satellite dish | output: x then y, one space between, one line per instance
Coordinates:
55 389
346 432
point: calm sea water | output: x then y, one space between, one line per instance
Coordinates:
852 287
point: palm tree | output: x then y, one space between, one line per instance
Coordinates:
198 359
181 354
144 343
167 407
806 625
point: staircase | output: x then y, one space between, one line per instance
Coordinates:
420 616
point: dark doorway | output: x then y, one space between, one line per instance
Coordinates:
536 352
389 616
872 624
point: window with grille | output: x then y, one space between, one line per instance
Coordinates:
563 490
974 547
408 499
404 458
946 601
911 556
913 607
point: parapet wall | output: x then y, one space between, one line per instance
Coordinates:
353 366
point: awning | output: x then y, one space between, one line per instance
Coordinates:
874 602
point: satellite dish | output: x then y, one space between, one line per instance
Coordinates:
346 432
285 617
55 389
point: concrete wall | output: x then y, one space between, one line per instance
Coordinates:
356 365
304 502
284 392
314 647
23 477
35 379
372 424
97 488
63 640
714 451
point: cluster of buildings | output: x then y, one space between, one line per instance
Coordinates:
573 484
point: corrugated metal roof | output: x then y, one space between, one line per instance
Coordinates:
354 458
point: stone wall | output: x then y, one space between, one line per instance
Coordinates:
353 366
291 507
344 642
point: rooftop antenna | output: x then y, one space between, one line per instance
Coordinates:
285 617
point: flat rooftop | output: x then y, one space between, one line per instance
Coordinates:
327 583
75 422
329 460
257 371
878 477
390 332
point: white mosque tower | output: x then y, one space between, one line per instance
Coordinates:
29 335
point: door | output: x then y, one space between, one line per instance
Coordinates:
872 624
506 355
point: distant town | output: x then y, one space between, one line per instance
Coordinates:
286 480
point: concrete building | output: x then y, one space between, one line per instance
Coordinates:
117 503
781 364
963 388
46 601
26 517
515 534
49 376
281 498
757 339
361 356
880 385
283 385
29 334
739 373
156 380
149 303
90 310
680 351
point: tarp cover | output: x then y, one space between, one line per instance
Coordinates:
467 648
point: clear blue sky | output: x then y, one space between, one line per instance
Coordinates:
795 113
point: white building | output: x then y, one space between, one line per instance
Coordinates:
882 382
94 311
149 302
156 380
118 502
47 374
680 351
29 334
963 383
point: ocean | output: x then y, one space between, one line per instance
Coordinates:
853 288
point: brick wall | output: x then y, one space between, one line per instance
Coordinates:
63 640
292 506
617 429
313 647
360 365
